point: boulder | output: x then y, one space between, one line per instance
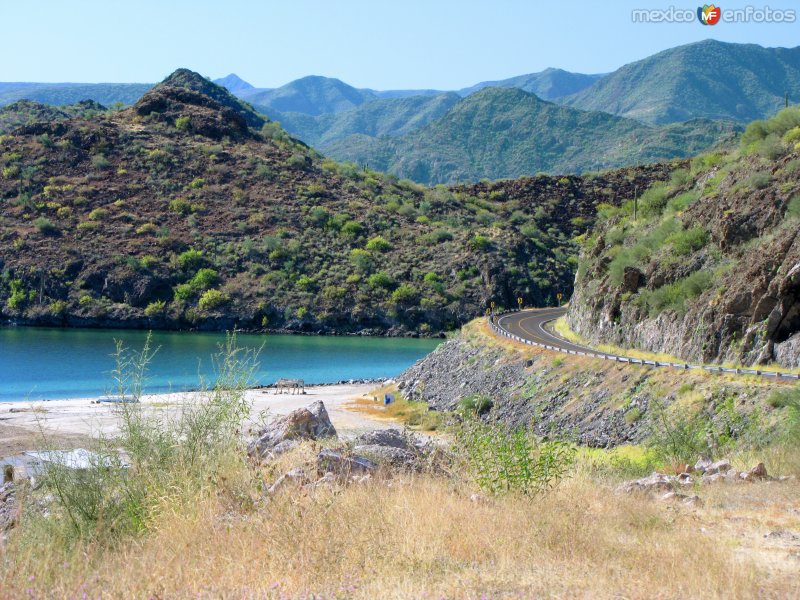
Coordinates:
720 466
342 466
392 438
8 506
757 473
309 423
389 455
654 483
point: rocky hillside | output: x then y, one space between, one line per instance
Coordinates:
709 267
190 209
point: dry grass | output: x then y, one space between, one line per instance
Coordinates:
417 538
414 415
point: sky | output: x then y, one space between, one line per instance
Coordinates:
411 44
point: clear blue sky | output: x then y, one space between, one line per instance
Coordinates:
443 44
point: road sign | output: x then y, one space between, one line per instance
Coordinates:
492 303
519 301
559 296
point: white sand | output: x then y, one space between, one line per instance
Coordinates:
82 416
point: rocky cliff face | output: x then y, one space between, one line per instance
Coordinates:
710 268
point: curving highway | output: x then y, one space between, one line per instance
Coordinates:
529 327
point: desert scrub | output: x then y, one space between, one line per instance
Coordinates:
177 456
502 460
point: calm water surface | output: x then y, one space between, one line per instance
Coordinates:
41 363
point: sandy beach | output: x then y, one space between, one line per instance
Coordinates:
74 420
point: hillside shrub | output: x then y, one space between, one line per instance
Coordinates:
793 208
204 279
180 206
381 280
688 241
653 201
475 404
361 259
378 244
759 181
191 259
212 299
674 296
405 294
156 309
183 123
480 243
45 226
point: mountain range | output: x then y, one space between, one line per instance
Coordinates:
667 102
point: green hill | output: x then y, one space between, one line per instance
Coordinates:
709 79
500 133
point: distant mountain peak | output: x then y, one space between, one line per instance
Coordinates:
233 83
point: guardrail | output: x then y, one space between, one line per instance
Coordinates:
499 330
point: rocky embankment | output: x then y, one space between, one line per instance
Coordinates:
523 389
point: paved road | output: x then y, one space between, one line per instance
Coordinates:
529 327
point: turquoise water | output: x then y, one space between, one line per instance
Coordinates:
41 363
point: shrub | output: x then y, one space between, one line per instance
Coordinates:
147 229
212 299
100 162
88 225
204 279
475 404
18 296
437 236
298 161
480 243
57 308
180 206
183 123
504 460
351 228
378 244
164 456
653 201
361 259
184 292
404 294
98 214
793 208
319 216
45 226
759 181
688 241
674 296
432 278
156 309
381 280
197 183
191 259
304 282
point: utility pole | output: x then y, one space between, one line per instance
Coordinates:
786 99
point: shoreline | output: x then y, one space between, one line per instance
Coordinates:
322 332
75 418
